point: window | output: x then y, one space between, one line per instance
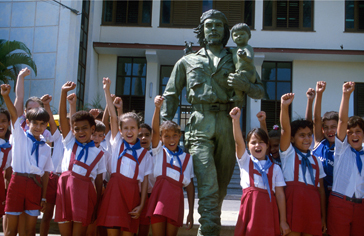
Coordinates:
277 80
184 109
354 16
186 14
130 83
81 76
127 12
359 100
288 15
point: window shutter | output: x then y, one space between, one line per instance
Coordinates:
359 99
186 13
282 14
233 10
294 14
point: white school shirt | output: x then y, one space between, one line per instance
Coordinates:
68 143
151 179
244 161
188 174
46 134
347 179
25 162
127 166
288 162
107 157
8 161
105 144
57 154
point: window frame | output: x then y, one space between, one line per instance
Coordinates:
277 100
140 15
274 17
356 18
170 25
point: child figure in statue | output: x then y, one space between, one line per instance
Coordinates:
243 56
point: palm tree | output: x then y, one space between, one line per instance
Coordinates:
11 59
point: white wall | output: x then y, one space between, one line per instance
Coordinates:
107 67
306 73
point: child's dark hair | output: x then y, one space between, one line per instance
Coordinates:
275 132
100 127
144 125
241 26
356 121
300 124
330 115
81 116
260 133
129 115
169 125
34 99
38 113
7 114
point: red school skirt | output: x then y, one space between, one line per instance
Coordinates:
121 197
76 198
52 188
258 216
167 200
303 208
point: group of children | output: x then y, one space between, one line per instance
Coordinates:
304 179
105 173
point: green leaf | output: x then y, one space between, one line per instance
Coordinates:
7 47
20 58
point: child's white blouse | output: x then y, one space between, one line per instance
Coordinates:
243 162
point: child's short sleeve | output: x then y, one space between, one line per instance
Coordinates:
321 169
340 146
69 139
278 176
101 165
157 149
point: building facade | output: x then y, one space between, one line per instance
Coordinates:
136 44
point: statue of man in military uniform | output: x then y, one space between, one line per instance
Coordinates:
210 81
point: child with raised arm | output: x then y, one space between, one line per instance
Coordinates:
31 102
346 202
80 184
173 170
31 165
324 133
129 165
303 173
263 204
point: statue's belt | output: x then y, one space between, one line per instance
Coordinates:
213 107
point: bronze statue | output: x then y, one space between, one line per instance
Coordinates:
210 78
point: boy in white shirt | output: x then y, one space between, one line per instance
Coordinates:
31 163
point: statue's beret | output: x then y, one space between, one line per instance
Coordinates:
212 13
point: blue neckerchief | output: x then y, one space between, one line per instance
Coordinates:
276 161
263 170
133 149
175 154
6 144
327 148
359 163
305 162
84 147
35 147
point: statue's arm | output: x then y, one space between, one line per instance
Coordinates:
173 90
256 90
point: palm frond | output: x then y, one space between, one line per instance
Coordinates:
19 58
7 47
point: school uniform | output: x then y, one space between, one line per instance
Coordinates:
258 213
171 175
144 219
346 202
325 153
76 195
107 158
303 200
105 144
57 155
5 162
46 134
30 160
126 172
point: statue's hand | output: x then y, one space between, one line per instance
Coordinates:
239 82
